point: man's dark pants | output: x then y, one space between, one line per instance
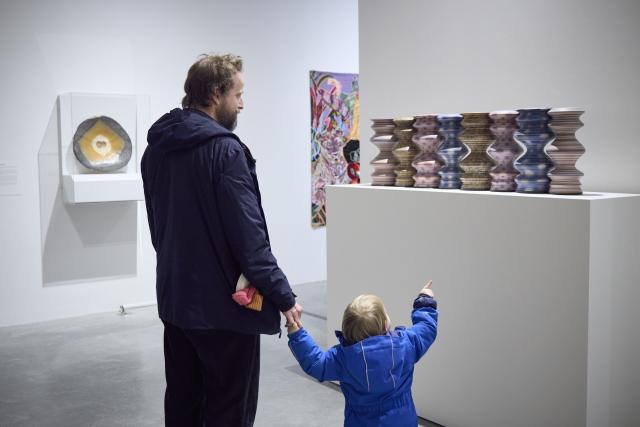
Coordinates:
212 377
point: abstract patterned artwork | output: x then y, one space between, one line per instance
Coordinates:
335 140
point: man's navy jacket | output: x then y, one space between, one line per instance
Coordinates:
207 226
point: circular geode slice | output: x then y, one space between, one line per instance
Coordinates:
101 144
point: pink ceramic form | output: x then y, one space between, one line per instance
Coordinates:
427 163
504 150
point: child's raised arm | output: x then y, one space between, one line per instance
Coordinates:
322 365
425 321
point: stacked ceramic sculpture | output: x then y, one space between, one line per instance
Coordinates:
427 163
532 150
477 138
534 165
504 150
405 151
565 151
384 164
451 150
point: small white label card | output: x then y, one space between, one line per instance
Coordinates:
10 182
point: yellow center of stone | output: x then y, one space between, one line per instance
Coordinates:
100 143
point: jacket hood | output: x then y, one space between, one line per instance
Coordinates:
181 129
373 363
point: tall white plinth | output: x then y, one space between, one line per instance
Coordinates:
539 298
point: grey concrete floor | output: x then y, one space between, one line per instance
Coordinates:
108 370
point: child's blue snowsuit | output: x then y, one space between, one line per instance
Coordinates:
376 373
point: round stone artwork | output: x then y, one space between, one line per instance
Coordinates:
102 145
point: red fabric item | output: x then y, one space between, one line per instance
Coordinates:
244 296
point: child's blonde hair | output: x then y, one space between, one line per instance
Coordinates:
364 317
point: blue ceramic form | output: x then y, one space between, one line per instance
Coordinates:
451 150
533 134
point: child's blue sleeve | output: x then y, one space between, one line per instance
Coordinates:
322 365
425 325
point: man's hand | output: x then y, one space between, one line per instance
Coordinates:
427 290
293 315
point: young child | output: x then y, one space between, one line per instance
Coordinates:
373 363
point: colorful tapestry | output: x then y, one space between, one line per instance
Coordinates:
335 139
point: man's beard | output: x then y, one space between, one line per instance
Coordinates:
228 118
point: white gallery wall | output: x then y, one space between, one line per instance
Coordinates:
424 56
59 260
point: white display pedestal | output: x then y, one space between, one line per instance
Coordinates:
539 298
88 188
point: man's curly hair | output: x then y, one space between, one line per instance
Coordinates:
210 73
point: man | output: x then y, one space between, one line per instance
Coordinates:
208 227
